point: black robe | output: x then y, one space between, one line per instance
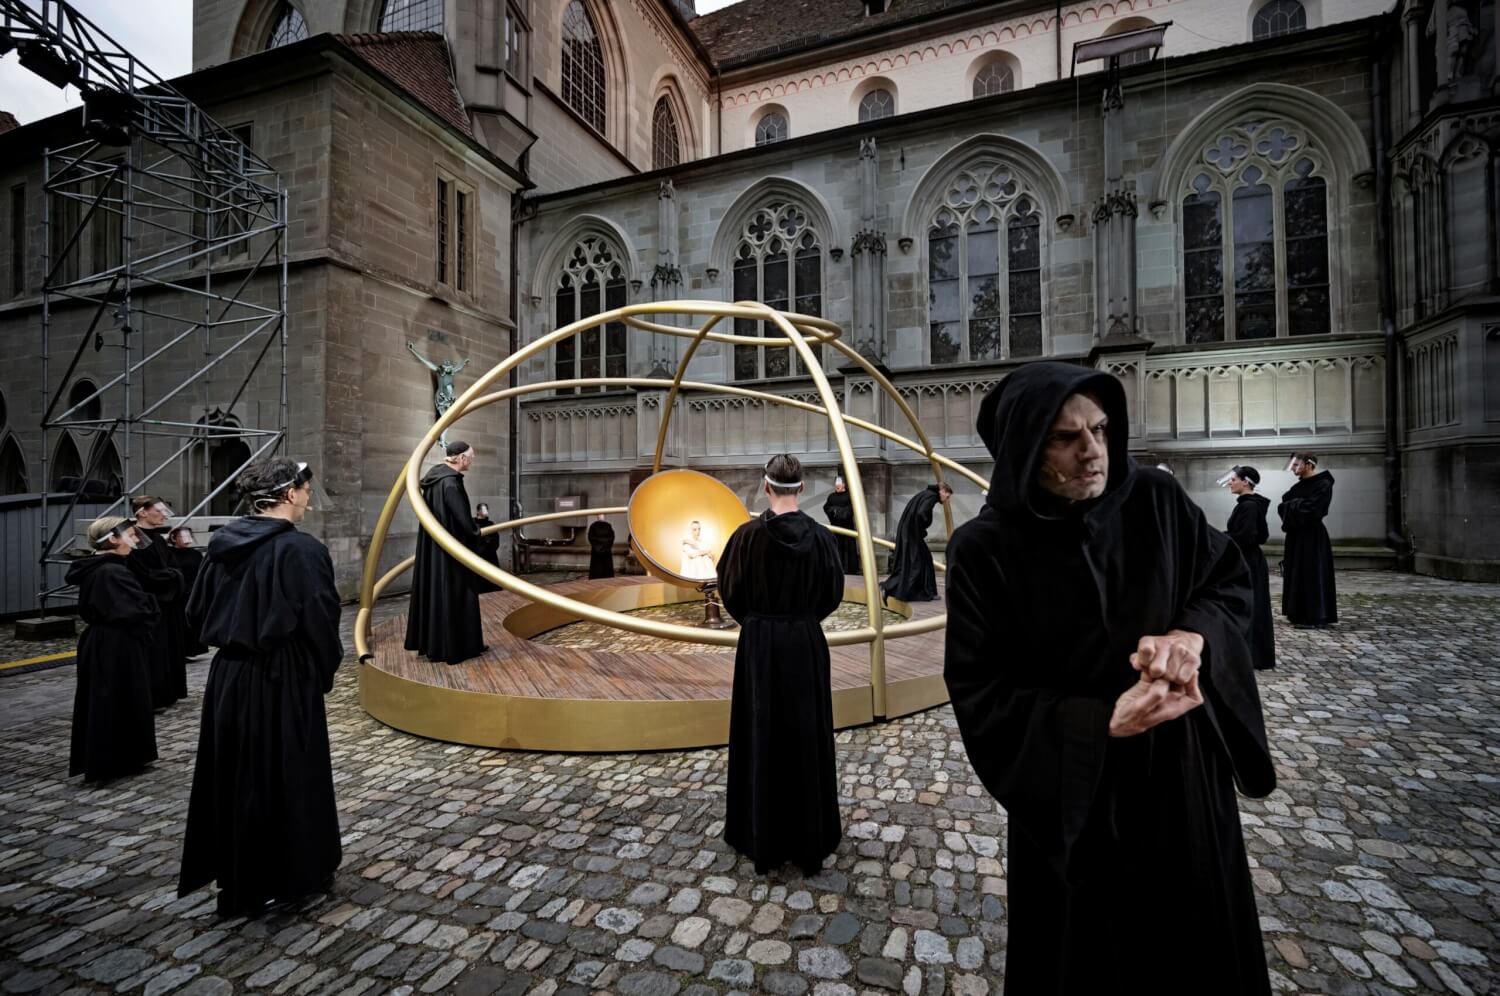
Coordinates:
1247 527
601 537
188 562
488 549
1308 597
913 578
1107 835
779 577
443 622
114 732
262 819
838 508
157 571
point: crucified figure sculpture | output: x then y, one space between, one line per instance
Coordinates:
442 377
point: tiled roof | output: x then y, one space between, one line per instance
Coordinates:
418 62
760 29
8 122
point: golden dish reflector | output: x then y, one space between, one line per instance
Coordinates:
679 521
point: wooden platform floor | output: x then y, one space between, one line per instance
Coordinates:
521 668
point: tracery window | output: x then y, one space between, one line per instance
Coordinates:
582 66
984 269
779 262
1255 237
289 27
664 146
1279 17
412 15
995 77
592 281
876 104
771 128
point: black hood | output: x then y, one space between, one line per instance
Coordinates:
88 565
1017 413
239 539
792 530
436 474
1252 497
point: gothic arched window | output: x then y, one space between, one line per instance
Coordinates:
772 127
412 15
13 480
984 269
592 281
582 66
876 104
994 77
1255 238
778 261
1278 17
289 27
664 146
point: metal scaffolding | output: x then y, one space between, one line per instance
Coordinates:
169 233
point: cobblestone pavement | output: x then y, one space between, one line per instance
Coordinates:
477 871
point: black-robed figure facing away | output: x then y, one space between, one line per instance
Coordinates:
838 509
1247 527
443 621
601 537
779 576
188 561
262 819
1082 602
1308 595
156 569
488 549
114 732
913 578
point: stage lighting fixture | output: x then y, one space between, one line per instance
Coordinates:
7 42
1111 47
57 68
109 116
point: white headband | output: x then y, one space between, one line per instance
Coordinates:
782 484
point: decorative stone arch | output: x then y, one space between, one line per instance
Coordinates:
756 196
1030 165
617 104
666 84
869 83
987 59
550 260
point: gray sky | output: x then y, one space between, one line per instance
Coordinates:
162 39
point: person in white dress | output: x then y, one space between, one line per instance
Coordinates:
697 558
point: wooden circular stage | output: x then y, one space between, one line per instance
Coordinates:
526 695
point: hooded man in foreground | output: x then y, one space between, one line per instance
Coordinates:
1098 667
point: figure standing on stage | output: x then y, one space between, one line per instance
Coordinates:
262 821
913 577
1247 527
443 394
779 577
1082 602
1308 595
489 546
443 623
697 558
114 732
601 537
157 570
838 509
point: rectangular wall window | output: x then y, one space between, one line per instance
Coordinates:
443 197
461 239
514 42
1203 261
809 277
18 240
984 290
1024 271
945 329
107 224
1307 256
1254 260
746 358
62 226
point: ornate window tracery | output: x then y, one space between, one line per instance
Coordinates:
779 262
583 82
984 269
995 77
665 149
772 127
592 281
876 104
1278 17
289 27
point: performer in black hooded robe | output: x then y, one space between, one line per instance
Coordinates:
779 576
913 578
443 621
1247 527
601 537
188 561
489 547
1074 626
157 571
1308 594
838 509
261 818
114 732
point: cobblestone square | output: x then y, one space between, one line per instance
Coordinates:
475 871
